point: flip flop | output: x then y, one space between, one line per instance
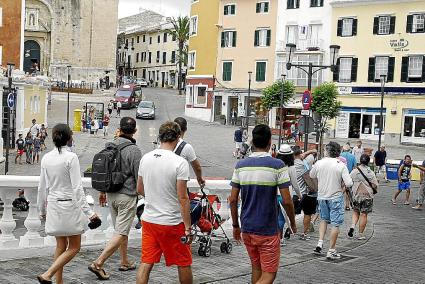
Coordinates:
100 272
43 281
128 267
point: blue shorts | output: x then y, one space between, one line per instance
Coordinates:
404 185
332 211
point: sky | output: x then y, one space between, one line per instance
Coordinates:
169 8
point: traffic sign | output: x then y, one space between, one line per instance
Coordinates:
11 100
307 99
305 112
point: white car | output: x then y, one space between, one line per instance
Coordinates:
142 82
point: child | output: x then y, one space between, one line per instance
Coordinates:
404 176
37 148
20 143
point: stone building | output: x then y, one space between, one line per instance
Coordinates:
79 33
10 32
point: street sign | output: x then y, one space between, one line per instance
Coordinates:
11 100
301 124
305 112
306 100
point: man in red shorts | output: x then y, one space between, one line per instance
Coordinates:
162 181
258 178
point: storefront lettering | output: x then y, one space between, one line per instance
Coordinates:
399 44
345 90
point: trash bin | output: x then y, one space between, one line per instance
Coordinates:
392 169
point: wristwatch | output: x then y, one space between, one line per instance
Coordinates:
235 226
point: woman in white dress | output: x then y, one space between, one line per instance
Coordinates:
62 202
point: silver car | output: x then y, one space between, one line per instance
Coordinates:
146 109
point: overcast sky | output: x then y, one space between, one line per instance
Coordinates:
170 8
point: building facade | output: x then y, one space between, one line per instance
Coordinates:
11 32
380 38
201 71
78 33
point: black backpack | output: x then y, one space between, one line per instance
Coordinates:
106 168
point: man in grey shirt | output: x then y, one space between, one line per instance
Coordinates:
122 203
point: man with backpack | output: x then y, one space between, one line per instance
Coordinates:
186 151
114 173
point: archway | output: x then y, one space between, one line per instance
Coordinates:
31 56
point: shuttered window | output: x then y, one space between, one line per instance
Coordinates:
260 74
227 71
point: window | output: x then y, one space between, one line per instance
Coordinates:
227 71
144 38
164 58
174 37
347 27
228 39
413 69
381 65
384 25
408 126
292 34
31 19
137 57
150 40
1 19
158 55
159 39
298 76
293 4
260 72
316 3
345 70
192 60
165 37
138 39
173 57
201 96
230 9
150 58
193 26
415 66
416 23
262 7
419 126
132 41
262 37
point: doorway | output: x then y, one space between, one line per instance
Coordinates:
31 56
354 129
162 79
218 100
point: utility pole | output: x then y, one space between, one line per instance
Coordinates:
281 111
67 100
10 105
248 105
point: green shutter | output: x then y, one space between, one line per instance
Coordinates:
233 9
256 38
222 39
266 7
258 8
227 71
269 37
260 75
234 39
226 10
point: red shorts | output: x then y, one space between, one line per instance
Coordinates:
264 251
20 152
162 239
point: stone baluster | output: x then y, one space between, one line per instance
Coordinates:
32 237
7 223
97 235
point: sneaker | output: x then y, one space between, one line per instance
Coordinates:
406 203
417 207
351 232
361 237
304 237
332 255
318 250
282 243
311 227
393 201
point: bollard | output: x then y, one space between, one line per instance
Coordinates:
77 120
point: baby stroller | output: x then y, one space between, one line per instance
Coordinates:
206 222
245 150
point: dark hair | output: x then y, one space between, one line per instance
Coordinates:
297 150
261 136
333 149
364 159
407 156
287 159
182 123
169 132
61 134
128 125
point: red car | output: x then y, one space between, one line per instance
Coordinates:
129 95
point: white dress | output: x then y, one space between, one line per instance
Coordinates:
61 196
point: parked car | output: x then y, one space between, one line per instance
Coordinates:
129 95
146 109
142 82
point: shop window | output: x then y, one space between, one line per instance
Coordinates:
408 126
367 124
419 126
378 124
201 96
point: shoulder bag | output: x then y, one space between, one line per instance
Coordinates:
372 186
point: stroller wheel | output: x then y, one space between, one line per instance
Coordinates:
223 247
207 251
229 248
201 250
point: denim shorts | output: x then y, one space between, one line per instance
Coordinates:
332 211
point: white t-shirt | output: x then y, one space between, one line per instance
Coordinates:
119 105
34 129
188 153
160 170
330 173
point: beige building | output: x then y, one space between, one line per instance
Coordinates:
79 33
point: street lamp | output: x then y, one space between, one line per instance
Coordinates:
281 111
10 67
248 105
381 118
67 100
312 69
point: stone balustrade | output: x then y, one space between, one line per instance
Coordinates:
9 185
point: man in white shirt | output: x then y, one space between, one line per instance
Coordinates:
331 173
186 151
358 151
34 129
162 180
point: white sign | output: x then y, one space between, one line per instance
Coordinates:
305 112
345 90
342 125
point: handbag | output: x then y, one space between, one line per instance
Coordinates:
372 186
312 183
65 218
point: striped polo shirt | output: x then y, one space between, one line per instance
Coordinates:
258 177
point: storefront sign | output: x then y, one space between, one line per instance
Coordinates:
345 90
399 44
342 125
306 100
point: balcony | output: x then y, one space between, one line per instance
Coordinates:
32 235
302 45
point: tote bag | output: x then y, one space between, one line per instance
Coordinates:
65 218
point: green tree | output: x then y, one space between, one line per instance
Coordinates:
272 94
326 106
180 31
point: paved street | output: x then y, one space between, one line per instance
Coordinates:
393 252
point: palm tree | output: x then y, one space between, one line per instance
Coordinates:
180 32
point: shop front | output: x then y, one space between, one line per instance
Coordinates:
359 123
413 126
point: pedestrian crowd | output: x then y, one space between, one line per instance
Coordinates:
32 144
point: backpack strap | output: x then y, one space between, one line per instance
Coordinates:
121 147
179 149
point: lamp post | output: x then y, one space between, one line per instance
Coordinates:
10 67
381 118
311 69
248 105
67 99
281 111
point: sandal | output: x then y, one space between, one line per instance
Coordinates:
393 201
100 272
43 281
128 267
406 203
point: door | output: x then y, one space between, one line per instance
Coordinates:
31 56
162 79
354 129
218 101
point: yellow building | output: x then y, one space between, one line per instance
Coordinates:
380 38
202 56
